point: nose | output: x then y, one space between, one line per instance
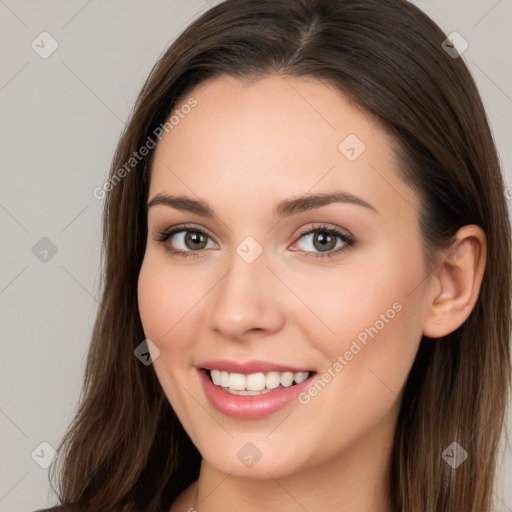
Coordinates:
246 300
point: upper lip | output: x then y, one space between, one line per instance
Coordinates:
248 367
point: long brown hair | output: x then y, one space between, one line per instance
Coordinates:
125 448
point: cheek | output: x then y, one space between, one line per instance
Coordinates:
166 303
166 308
366 363
152 301
357 306
374 315
376 296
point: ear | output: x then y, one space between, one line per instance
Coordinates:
455 284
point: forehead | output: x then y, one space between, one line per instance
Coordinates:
276 137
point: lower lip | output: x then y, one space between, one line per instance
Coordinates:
250 407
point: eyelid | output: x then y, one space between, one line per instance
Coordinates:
322 226
344 235
172 230
347 238
163 235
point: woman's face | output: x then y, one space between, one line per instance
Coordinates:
247 284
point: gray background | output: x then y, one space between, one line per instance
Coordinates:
61 118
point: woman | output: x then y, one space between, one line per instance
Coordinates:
306 234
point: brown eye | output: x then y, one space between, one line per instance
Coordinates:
195 240
324 240
183 240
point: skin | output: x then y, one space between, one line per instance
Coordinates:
242 149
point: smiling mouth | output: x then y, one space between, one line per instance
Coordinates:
255 383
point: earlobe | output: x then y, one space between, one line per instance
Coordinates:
458 279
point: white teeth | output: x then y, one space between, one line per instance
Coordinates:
237 381
256 382
286 379
224 379
300 377
273 380
215 375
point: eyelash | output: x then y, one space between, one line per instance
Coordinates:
163 236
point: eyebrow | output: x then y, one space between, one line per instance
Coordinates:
282 209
